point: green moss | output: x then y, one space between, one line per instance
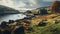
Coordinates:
47 29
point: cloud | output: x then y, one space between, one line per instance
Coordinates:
21 4
6 3
32 2
39 3
24 4
50 0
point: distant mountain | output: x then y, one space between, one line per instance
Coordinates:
7 10
38 11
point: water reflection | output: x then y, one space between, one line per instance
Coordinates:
8 17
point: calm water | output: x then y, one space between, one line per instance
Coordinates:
8 17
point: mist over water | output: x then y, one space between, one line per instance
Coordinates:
8 17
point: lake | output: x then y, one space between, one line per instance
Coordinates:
7 17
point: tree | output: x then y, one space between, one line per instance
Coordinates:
19 30
43 11
4 24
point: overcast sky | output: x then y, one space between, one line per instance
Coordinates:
25 4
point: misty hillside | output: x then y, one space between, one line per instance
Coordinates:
6 10
39 11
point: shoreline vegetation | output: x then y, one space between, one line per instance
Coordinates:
31 25
45 20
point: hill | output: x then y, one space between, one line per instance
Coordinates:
7 10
